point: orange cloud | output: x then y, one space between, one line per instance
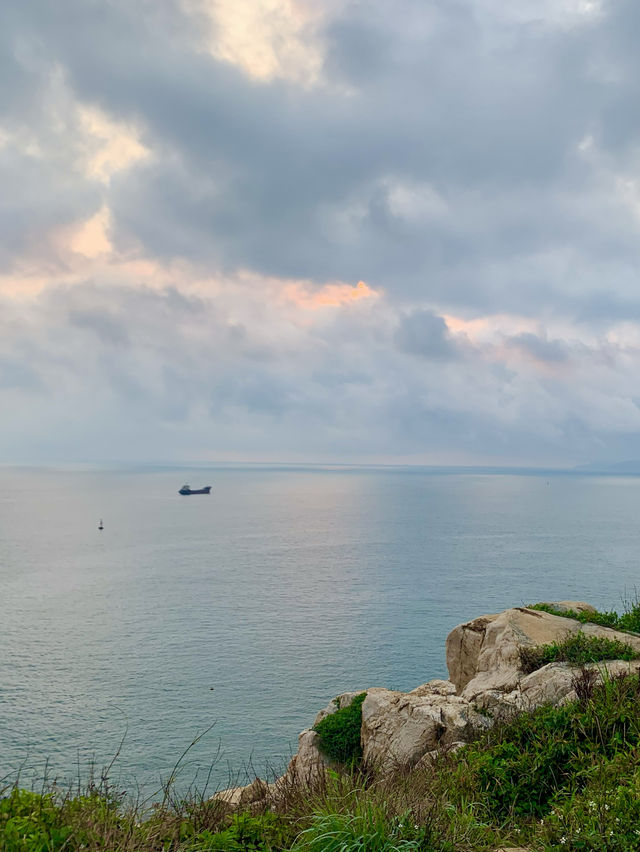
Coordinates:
265 38
113 145
329 296
91 237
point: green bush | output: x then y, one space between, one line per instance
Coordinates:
576 649
525 766
340 733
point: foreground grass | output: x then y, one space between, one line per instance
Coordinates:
560 778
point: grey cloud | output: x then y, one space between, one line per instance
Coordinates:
425 334
552 351
439 161
262 176
106 327
18 375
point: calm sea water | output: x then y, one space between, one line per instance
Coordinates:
250 609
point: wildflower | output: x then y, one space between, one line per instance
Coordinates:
563 840
606 807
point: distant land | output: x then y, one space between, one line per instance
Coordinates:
610 467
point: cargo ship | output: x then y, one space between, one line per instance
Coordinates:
186 490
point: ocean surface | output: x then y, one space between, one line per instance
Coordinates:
249 609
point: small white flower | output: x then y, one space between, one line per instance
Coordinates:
606 807
563 840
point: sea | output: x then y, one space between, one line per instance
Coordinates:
193 638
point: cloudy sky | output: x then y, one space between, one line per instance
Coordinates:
320 230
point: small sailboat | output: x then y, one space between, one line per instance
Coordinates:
100 525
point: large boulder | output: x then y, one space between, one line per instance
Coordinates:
483 654
400 728
308 765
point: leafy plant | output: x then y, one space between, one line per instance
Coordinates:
340 733
30 822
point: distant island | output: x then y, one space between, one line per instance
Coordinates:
631 467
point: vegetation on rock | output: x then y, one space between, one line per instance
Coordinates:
340 733
628 622
577 649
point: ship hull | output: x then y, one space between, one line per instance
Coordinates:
186 492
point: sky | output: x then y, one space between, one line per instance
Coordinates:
320 231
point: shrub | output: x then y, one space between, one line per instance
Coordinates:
523 767
340 733
576 649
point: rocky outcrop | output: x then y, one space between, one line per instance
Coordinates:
399 728
308 764
483 654
408 729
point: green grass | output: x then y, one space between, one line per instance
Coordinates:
628 622
577 649
340 733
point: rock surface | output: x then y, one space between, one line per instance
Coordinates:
399 728
308 765
241 797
